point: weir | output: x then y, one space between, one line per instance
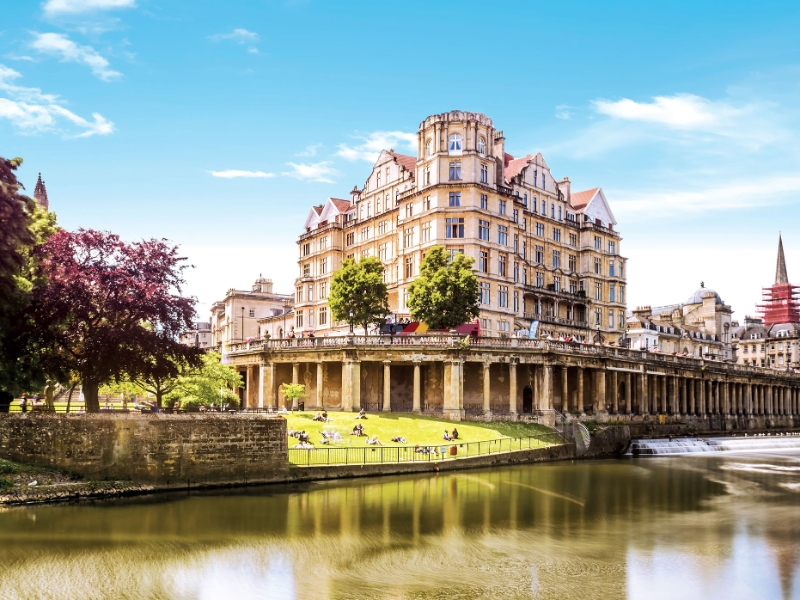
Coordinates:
696 445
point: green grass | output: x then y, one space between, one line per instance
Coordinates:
6 483
11 468
416 429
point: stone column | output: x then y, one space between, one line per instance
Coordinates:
266 386
769 408
295 379
726 399
614 389
580 390
387 386
320 384
417 402
749 398
351 385
512 388
787 401
547 388
564 389
644 405
600 390
690 388
487 389
628 390
663 394
684 399
713 401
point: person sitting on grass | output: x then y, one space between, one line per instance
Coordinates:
446 436
358 430
454 435
374 441
325 416
361 414
399 439
318 417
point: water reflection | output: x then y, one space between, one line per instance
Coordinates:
695 527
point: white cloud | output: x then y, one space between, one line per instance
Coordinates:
58 44
372 144
32 111
240 36
234 173
53 7
320 171
311 150
681 111
563 111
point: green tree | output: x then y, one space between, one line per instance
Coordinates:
211 382
446 292
293 391
358 286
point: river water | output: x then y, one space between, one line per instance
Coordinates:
706 526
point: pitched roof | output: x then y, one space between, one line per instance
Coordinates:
580 200
780 269
341 205
513 166
409 163
317 209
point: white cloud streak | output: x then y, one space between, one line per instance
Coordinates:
60 46
32 111
240 36
235 173
311 150
55 7
371 145
321 171
681 111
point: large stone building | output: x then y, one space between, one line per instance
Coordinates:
236 317
701 327
542 253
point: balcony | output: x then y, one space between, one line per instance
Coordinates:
552 319
547 292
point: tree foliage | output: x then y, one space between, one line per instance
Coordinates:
358 286
105 309
292 392
211 382
15 232
446 293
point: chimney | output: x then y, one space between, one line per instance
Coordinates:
354 195
499 151
564 187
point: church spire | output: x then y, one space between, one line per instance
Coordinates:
40 194
780 269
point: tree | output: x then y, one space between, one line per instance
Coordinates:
358 286
15 220
293 391
165 362
446 293
104 309
211 382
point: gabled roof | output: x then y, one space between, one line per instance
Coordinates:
409 163
580 200
593 204
513 166
341 205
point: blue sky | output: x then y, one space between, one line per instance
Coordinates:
144 116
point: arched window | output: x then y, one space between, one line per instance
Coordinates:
454 147
481 146
429 148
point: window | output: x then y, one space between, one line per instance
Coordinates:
556 234
455 228
311 317
598 317
409 267
429 148
299 320
481 146
525 200
426 232
544 181
310 294
455 198
427 175
535 174
323 266
516 272
572 286
364 233
524 276
426 203
524 224
598 242
597 266
539 279
382 227
516 301
350 239
408 237
524 253
573 239
611 268
612 293
502 296
572 262
486 293
382 252
516 243
502 235
369 210
323 315
502 262
454 147
323 290
299 295
409 210
502 207
611 319
557 283
483 230
483 261
552 211
538 254
486 324
515 216
598 291
535 205
556 259
504 326
484 202
544 208
252 312
455 171
378 179
306 249
307 270
612 247
484 174
559 213
621 322
540 229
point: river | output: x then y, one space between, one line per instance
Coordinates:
708 526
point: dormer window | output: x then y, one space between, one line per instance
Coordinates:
481 146
454 147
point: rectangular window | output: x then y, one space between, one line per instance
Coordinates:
544 208
611 268
611 319
516 243
409 267
516 272
299 295
455 171
597 266
538 254
611 293
364 233
502 262
323 266
455 228
311 317
484 202
502 296
556 234
486 293
408 237
573 239
535 205
540 229
515 215
426 232
307 270
299 321
524 224
455 198
557 283
524 252
484 174
382 227
310 294
598 291
598 242
572 287
525 200
306 249
323 290
516 301
452 253
502 235
382 252
612 247
323 315
502 206
426 203
483 261
486 324
552 210
539 279
524 276
483 230
427 175
598 317
556 259
572 262
350 239
559 213
409 210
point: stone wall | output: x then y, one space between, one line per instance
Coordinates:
156 449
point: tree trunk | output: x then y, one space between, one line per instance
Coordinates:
90 396
69 398
159 397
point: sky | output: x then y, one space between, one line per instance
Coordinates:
218 125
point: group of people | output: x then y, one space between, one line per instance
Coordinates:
450 437
322 416
303 439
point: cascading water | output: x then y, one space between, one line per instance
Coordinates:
757 443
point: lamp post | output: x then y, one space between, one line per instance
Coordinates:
242 334
351 321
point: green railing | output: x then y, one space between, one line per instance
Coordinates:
348 455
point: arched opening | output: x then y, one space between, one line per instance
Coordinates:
454 145
481 146
527 400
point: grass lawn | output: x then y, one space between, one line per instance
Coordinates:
416 429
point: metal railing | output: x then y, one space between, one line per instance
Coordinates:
428 453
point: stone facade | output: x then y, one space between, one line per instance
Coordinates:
489 378
776 346
541 252
159 449
199 336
